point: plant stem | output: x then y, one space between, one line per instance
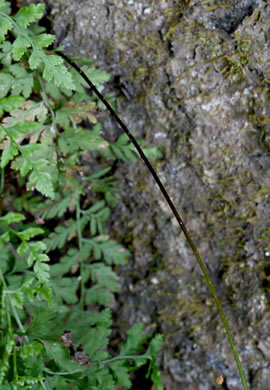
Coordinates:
15 363
79 234
125 357
47 102
43 384
175 212
2 183
61 373
16 316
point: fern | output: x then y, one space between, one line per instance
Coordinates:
57 208
56 254
101 183
97 215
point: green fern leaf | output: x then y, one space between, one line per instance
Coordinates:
52 61
6 82
33 349
22 248
38 246
34 256
5 237
42 269
103 276
41 179
27 15
72 140
40 323
55 70
102 379
112 252
121 374
154 369
17 299
62 77
75 113
22 82
43 40
35 59
20 46
44 291
23 164
8 154
97 338
28 111
31 232
90 318
28 287
97 77
58 208
20 129
152 152
10 103
135 340
61 234
99 295
70 262
65 289
12 217
59 237
5 26
57 352
5 6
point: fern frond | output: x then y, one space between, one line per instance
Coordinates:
40 323
58 353
75 113
69 262
5 7
99 214
28 15
19 47
65 289
58 207
10 103
41 179
6 81
135 339
73 139
106 283
55 70
60 236
109 250
12 217
19 80
5 25
42 41
97 338
34 255
41 140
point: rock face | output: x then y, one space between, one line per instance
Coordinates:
199 74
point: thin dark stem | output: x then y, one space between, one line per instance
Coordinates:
175 212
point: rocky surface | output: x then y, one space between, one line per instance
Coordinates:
199 74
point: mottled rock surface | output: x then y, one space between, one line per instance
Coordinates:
199 73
